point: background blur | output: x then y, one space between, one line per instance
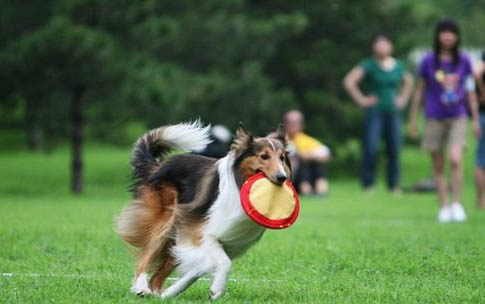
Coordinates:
76 71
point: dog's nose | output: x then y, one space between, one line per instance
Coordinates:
281 178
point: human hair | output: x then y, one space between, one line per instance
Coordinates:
294 112
378 36
446 25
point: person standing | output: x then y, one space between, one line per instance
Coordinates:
480 155
386 87
446 79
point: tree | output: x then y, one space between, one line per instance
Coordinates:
137 60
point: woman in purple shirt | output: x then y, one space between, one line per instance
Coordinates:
446 79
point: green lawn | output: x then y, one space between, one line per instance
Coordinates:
349 247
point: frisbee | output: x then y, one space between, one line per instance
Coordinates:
271 206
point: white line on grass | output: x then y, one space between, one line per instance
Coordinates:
87 276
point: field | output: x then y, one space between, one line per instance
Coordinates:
349 247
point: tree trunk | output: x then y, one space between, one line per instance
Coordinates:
77 140
34 132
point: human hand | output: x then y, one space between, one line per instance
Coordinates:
413 129
477 129
401 102
305 156
368 101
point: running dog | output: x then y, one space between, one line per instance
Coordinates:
186 214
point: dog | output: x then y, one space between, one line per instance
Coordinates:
186 214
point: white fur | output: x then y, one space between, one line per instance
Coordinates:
271 144
227 234
228 223
190 136
140 285
281 169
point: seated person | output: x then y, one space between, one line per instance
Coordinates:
307 156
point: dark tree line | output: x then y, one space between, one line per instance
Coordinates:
79 69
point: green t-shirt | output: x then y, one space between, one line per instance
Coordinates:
381 83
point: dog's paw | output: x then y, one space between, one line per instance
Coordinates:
164 295
140 285
214 295
141 291
156 292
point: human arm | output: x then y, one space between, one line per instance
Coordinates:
351 84
480 83
415 107
407 86
321 154
473 105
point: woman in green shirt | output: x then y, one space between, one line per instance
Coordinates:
385 87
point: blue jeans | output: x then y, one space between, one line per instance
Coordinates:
376 125
480 157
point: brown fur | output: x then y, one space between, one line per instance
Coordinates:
269 154
150 222
162 271
155 217
147 224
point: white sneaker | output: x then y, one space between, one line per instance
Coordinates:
457 212
445 215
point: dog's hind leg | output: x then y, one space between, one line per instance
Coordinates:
148 257
147 224
140 284
162 272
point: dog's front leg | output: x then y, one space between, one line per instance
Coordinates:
181 284
221 271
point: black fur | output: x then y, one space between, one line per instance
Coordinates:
186 172
239 158
191 174
145 152
202 208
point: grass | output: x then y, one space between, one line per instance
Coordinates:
348 248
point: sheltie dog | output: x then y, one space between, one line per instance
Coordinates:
186 214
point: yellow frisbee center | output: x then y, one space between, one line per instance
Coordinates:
272 201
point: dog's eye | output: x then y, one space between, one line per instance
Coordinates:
282 157
265 156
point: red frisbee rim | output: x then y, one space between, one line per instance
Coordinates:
259 218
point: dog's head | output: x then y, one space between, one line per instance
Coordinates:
261 154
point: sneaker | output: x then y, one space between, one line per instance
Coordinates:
444 215
457 212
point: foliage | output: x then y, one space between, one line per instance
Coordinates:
149 63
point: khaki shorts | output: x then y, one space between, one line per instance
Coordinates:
440 132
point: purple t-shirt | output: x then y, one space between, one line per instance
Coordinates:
445 94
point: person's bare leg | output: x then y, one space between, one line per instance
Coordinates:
306 188
456 161
480 185
321 186
439 176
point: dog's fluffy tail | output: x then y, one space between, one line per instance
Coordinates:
150 218
191 136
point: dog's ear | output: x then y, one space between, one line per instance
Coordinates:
280 130
243 139
279 134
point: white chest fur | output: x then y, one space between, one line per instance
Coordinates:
227 221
